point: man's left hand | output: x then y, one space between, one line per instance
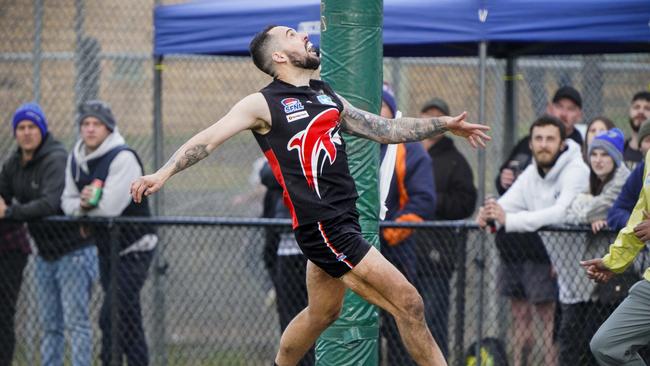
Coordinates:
474 133
495 211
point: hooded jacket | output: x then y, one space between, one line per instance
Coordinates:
115 200
535 201
34 191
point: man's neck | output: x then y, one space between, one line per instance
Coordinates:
296 76
634 141
26 156
89 150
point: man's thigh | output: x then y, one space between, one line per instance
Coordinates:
378 281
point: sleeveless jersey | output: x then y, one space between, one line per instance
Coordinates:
306 152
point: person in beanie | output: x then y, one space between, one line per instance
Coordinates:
584 305
102 156
411 198
620 211
31 183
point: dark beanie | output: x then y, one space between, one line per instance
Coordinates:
98 109
644 130
30 112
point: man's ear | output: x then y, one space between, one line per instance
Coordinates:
278 57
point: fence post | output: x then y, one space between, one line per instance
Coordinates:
114 303
461 278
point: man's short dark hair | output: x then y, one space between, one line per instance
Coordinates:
642 95
259 53
547 120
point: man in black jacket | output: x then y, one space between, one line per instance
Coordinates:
31 183
455 200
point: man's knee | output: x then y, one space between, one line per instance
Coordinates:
602 349
326 316
411 305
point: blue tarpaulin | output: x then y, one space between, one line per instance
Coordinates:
420 27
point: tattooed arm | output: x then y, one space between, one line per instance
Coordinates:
406 129
250 113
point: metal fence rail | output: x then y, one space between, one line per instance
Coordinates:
212 298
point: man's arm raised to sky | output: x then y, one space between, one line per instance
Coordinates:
249 113
406 129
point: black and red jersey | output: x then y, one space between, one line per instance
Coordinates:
306 152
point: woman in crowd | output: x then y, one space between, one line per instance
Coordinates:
582 309
596 126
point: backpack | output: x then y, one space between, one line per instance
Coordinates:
493 353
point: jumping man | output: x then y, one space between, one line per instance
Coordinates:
296 121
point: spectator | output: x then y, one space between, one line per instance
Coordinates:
619 213
14 249
639 112
455 200
539 197
31 185
102 154
595 127
283 259
518 248
566 106
625 332
411 198
582 310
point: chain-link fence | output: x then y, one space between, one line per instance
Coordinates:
59 53
228 286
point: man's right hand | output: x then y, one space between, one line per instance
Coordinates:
146 185
596 270
506 178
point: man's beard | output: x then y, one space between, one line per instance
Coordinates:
633 127
550 162
308 62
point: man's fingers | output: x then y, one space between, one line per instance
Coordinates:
589 262
470 138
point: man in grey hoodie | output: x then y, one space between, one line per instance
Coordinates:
102 156
30 185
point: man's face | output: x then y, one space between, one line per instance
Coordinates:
28 136
295 47
639 112
546 144
93 132
566 111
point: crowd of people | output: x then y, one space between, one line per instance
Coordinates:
554 175
41 179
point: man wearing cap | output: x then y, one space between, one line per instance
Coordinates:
411 198
455 200
31 183
102 160
639 111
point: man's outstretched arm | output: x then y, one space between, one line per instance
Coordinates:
249 113
406 129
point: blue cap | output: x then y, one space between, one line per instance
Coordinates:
31 112
612 141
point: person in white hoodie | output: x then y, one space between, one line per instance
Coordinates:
540 197
101 158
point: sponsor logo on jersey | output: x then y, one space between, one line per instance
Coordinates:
325 99
341 257
292 105
296 116
316 144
